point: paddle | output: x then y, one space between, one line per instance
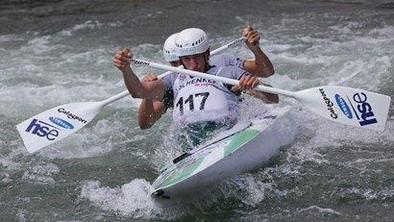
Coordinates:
345 105
60 122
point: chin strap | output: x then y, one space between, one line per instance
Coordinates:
206 59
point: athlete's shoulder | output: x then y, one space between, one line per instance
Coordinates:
232 72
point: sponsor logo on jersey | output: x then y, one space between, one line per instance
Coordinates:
194 81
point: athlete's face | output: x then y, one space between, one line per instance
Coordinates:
194 62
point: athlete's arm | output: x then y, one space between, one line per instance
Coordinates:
150 90
150 110
261 66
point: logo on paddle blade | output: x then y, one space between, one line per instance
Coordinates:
329 104
61 122
71 115
367 116
42 129
343 106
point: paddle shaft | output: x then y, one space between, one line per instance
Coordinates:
213 77
214 52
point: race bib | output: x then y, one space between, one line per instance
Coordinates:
200 103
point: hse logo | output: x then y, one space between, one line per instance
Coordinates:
43 129
61 123
361 108
364 109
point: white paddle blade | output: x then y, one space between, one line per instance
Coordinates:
55 124
349 106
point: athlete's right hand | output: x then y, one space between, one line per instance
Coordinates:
248 82
122 59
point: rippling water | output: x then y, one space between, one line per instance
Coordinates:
57 52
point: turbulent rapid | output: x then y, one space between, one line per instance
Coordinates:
58 52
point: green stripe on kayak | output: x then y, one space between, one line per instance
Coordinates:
240 139
183 174
237 141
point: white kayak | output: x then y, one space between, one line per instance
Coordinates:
245 147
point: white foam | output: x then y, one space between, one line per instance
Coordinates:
350 70
21 215
9 38
8 161
316 134
321 210
367 193
89 25
132 199
384 32
93 140
40 46
347 28
42 174
5 177
253 191
79 145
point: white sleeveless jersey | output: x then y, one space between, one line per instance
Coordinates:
197 99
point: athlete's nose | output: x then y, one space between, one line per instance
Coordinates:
194 64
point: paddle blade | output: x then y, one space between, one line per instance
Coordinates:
349 106
55 124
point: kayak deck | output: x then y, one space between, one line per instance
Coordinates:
240 149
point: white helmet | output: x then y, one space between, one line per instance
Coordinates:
191 41
169 49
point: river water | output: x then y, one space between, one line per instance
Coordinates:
55 52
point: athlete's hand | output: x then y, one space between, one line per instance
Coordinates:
252 37
247 82
122 59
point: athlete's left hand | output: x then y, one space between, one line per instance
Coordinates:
252 37
247 82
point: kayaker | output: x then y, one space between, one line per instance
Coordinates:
200 106
151 111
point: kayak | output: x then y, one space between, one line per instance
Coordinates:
243 148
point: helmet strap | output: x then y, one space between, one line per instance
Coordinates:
180 60
206 60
